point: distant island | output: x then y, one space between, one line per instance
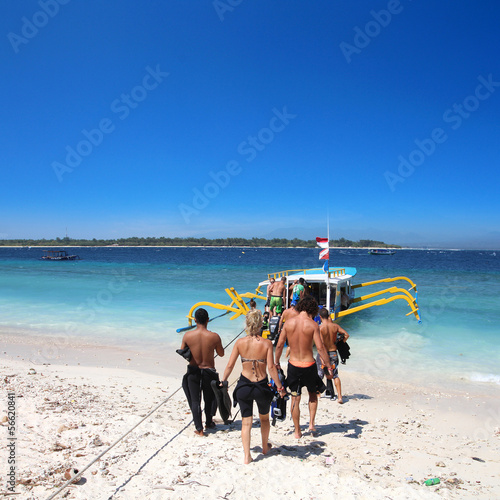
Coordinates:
192 242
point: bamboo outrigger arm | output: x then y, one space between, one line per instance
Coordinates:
401 294
237 306
387 280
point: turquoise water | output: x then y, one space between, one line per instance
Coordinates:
142 295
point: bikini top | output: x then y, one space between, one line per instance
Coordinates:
253 361
244 360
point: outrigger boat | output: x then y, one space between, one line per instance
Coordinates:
327 287
58 255
381 251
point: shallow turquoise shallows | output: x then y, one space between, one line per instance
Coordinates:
142 295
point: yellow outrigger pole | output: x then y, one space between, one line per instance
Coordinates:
237 306
400 294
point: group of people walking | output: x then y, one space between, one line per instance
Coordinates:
299 332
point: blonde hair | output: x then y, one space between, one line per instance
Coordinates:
253 323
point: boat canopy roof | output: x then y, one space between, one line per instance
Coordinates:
55 253
315 275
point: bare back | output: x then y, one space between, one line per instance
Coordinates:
278 289
287 315
300 332
258 352
203 344
329 331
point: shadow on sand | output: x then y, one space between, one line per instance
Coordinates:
351 429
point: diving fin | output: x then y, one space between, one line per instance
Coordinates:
223 400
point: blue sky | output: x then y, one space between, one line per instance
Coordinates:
251 118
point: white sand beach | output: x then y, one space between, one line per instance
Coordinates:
382 443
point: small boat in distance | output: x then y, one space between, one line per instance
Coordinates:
381 251
58 255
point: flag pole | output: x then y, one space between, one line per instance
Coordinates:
328 236
324 243
328 261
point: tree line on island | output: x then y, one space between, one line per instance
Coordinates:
192 242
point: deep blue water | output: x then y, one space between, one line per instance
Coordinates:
133 295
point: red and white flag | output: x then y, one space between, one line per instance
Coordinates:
323 243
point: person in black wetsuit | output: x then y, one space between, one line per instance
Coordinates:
256 354
201 370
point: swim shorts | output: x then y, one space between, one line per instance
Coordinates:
304 377
334 360
246 392
276 302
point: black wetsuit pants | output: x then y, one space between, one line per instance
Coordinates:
195 383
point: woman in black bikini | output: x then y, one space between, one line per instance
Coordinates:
255 353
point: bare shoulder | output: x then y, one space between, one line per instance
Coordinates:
267 343
326 330
213 334
312 324
333 330
187 336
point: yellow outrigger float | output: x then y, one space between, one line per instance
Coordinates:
332 289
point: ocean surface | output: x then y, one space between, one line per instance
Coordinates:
140 296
